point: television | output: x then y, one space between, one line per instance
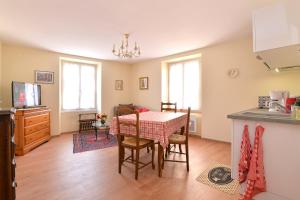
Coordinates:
25 95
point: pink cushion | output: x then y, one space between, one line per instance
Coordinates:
141 109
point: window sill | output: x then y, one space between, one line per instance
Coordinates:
192 111
79 110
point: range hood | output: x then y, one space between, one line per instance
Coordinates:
281 59
276 35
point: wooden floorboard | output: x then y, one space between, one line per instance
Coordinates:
53 172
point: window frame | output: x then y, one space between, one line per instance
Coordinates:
80 63
168 82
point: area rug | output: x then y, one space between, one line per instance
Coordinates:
218 176
86 141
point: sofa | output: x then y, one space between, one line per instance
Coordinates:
126 109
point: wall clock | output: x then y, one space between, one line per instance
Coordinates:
233 73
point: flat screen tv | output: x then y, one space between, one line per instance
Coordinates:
25 95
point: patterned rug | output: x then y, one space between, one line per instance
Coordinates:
86 141
218 176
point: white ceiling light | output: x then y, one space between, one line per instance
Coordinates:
124 52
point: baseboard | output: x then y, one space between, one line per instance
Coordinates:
195 135
69 132
214 140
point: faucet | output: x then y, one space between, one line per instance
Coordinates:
278 106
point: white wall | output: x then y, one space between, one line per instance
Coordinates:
20 62
220 94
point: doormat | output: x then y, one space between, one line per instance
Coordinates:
218 176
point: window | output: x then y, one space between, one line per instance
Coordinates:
184 84
78 86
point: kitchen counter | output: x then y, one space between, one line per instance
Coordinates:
265 116
281 149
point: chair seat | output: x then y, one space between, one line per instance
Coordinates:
177 139
131 142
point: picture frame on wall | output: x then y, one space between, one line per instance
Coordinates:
44 77
144 83
119 85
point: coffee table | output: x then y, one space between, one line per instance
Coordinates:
102 127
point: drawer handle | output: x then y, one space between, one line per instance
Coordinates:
14 184
14 161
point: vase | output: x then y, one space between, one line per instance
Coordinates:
102 122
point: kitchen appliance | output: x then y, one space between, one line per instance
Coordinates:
263 102
278 101
289 103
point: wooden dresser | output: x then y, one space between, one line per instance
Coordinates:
7 156
32 129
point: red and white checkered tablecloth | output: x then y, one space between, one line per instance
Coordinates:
156 126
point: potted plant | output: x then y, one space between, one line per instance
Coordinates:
102 118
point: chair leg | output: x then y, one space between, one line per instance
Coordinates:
132 155
187 156
180 149
148 150
137 163
159 160
121 158
163 161
153 155
166 154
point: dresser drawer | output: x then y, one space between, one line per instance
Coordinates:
36 119
36 135
34 128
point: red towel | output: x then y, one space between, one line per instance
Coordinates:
256 182
245 158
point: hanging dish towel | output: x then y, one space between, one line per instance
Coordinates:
256 182
245 158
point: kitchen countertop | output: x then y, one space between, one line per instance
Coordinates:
264 115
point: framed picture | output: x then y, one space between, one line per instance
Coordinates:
144 83
119 85
44 77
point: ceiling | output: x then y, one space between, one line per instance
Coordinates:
90 27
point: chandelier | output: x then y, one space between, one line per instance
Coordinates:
124 52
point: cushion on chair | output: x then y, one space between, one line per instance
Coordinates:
131 141
177 139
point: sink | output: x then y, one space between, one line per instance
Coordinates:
266 113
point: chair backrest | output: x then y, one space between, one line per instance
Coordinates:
169 107
129 125
188 121
124 110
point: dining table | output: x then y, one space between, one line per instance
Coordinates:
157 126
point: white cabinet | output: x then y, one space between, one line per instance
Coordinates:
277 25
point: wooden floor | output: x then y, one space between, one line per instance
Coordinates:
53 172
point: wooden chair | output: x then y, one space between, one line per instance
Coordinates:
134 143
169 107
182 140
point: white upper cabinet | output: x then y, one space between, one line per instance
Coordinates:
276 26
